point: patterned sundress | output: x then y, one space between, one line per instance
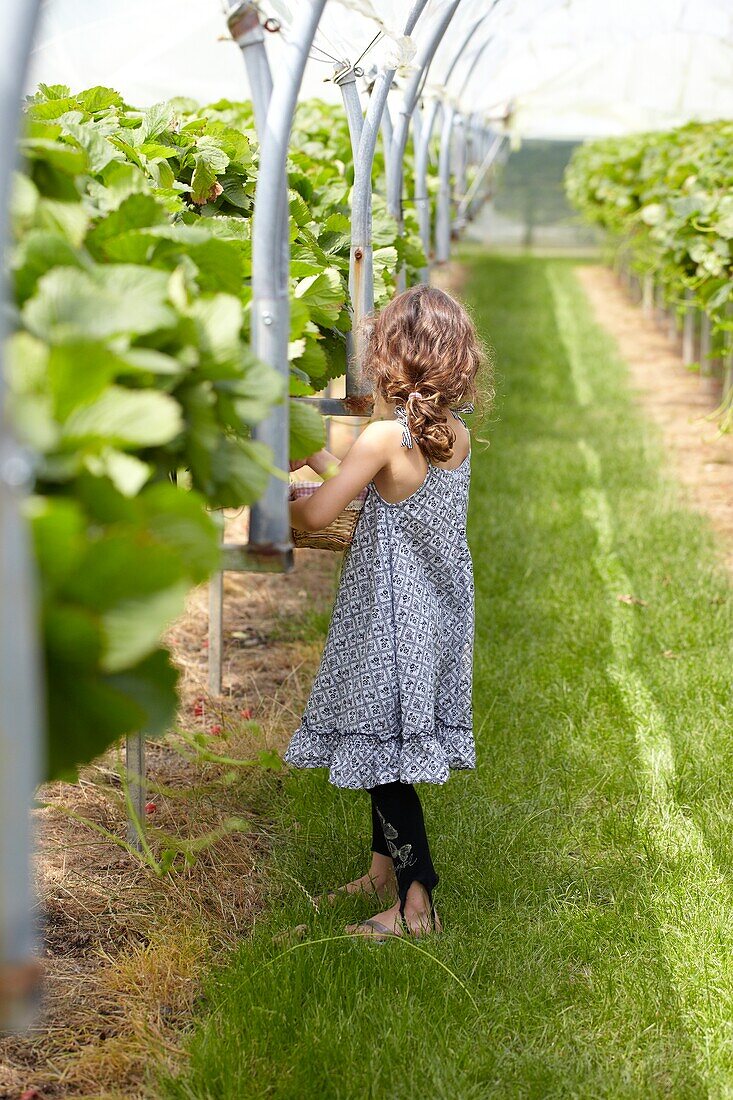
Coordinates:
392 696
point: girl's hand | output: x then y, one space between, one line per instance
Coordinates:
322 463
298 464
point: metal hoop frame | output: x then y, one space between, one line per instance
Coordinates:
269 548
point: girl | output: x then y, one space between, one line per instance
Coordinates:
391 703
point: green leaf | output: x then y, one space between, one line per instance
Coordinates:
59 537
203 182
126 418
236 192
299 318
254 394
23 202
40 251
85 715
724 218
67 158
99 99
77 374
307 430
220 264
119 180
71 305
210 149
72 635
323 295
313 360
52 91
152 685
241 469
219 323
99 151
27 363
209 160
127 473
179 519
132 629
156 120
68 218
147 360
134 212
268 758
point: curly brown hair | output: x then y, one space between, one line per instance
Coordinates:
422 352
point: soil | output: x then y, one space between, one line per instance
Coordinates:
679 401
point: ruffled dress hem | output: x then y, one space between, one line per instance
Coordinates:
358 761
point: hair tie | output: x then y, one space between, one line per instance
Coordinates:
415 393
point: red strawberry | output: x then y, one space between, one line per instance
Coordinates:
246 712
216 730
150 808
198 708
31 1094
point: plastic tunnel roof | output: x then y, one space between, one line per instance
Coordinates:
554 68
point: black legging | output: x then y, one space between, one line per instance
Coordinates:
398 830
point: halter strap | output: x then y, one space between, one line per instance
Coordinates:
463 409
401 415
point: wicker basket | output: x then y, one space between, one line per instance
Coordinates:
338 535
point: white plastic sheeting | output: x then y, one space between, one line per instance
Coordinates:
566 68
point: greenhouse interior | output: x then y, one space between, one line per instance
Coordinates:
366 404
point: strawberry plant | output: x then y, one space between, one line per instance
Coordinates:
665 200
130 374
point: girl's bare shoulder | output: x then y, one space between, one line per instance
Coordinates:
385 435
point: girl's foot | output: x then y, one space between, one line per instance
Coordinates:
419 919
378 882
366 885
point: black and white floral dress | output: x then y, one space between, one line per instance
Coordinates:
392 697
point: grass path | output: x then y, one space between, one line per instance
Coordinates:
586 865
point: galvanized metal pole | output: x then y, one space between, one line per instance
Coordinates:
443 213
460 126
135 768
423 60
501 157
246 30
216 631
647 295
269 521
387 136
245 27
706 345
727 394
21 691
345 78
422 199
361 268
442 222
489 159
422 149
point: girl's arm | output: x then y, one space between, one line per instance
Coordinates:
365 459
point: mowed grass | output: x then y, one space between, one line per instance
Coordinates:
585 865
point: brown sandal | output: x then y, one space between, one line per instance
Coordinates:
378 932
